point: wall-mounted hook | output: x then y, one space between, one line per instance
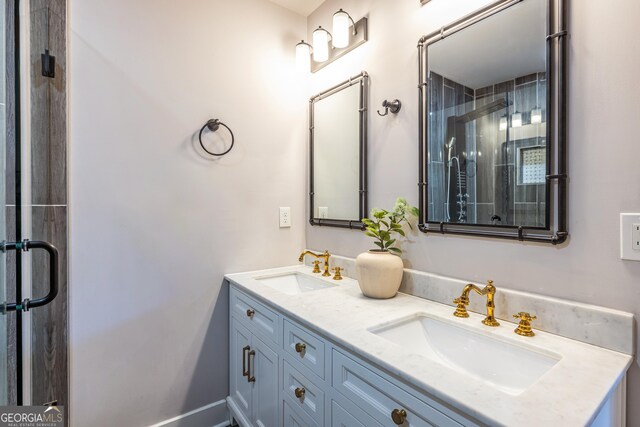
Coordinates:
393 106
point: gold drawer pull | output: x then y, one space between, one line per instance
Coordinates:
250 313
399 416
300 347
299 392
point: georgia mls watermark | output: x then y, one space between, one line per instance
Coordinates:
32 416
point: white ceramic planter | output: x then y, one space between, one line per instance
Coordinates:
379 273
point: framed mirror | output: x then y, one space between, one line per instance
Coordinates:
492 123
338 154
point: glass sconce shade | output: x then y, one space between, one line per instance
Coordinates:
303 57
516 120
341 23
320 45
503 123
536 115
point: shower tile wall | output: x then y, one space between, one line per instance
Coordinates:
48 207
500 193
446 98
49 199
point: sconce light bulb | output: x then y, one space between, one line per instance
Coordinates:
536 115
303 57
516 120
320 45
341 23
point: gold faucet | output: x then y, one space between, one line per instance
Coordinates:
463 301
324 255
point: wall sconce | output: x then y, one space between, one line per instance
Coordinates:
504 122
346 36
303 56
321 44
516 120
536 115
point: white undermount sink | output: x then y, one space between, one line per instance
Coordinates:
503 364
293 283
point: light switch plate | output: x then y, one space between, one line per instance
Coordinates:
630 236
285 217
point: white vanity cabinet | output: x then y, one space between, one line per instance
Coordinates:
254 367
283 374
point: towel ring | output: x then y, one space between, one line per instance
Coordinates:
213 125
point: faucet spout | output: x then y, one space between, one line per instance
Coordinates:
489 291
324 256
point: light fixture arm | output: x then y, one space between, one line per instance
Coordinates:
353 23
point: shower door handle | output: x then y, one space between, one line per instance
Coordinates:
27 245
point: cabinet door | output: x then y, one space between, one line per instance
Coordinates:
240 387
264 366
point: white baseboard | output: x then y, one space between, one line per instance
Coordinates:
212 415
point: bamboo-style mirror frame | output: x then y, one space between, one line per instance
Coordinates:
555 231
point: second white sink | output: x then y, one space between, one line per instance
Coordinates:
506 365
293 283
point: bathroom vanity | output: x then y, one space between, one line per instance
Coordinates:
306 350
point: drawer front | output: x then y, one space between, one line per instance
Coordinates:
256 316
379 397
352 417
292 419
304 347
311 402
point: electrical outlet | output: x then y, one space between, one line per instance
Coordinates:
630 236
285 217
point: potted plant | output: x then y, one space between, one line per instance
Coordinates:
380 270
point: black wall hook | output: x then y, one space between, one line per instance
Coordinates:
393 106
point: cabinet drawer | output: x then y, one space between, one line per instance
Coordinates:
379 397
255 315
348 416
292 419
311 402
304 347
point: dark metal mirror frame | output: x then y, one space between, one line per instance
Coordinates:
555 231
361 79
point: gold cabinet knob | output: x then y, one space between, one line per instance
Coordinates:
250 313
399 416
316 266
300 347
524 327
299 392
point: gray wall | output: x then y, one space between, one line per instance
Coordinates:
603 150
153 225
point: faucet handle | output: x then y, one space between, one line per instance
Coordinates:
524 327
316 266
337 276
461 309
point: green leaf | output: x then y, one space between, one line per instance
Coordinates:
371 234
379 244
395 250
390 242
401 232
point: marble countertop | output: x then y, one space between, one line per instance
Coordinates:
570 394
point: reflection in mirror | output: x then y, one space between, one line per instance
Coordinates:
338 152
487 147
